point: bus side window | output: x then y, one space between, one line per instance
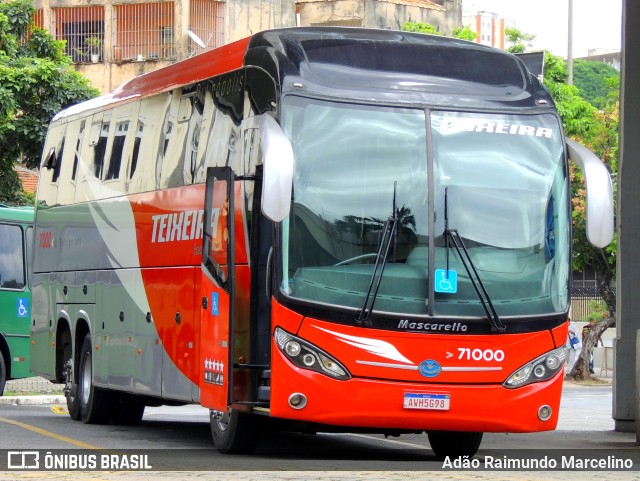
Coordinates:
58 162
195 169
12 269
50 160
136 148
99 150
117 149
76 155
146 152
29 258
252 157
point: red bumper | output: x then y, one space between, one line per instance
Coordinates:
371 403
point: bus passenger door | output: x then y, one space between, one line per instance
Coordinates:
216 292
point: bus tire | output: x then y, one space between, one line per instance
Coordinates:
128 411
454 443
3 373
95 405
234 432
71 386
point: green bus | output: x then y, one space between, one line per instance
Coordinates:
16 243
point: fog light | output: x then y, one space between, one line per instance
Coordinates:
297 400
544 413
309 360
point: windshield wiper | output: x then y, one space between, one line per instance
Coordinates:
452 235
363 315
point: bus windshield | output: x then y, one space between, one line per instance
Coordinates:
501 177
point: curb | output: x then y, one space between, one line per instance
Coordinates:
32 400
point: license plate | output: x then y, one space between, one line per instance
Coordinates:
438 402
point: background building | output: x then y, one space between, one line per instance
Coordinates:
445 15
489 27
112 41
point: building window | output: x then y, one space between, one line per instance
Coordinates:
83 30
143 31
206 21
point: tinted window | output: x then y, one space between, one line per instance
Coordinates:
11 257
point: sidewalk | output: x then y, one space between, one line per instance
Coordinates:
33 384
32 390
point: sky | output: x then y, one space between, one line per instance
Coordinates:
596 23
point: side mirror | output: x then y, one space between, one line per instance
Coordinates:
599 194
277 171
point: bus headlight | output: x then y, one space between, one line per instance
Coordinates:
307 356
540 369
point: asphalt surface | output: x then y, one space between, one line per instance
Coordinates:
585 424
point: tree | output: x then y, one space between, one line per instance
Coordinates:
592 79
420 28
597 130
37 80
464 33
519 41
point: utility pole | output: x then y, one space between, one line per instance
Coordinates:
570 46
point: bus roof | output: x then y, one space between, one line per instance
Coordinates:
223 59
331 56
22 214
393 65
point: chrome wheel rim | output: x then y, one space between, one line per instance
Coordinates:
86 378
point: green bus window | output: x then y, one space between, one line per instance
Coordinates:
11 257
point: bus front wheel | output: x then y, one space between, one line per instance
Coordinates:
95 403
3 373
234 432
454 444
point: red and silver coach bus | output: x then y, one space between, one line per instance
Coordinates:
352 230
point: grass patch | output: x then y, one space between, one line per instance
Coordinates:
53 392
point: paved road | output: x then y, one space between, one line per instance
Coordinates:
585 422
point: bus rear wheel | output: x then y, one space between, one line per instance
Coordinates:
234 432
95 403
454 443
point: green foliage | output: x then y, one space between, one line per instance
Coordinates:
555 69
420 28
597 129
37 80
598 310
519 41
464 33
594 80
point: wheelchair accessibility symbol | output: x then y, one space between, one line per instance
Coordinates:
446 282
22 307
214 303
